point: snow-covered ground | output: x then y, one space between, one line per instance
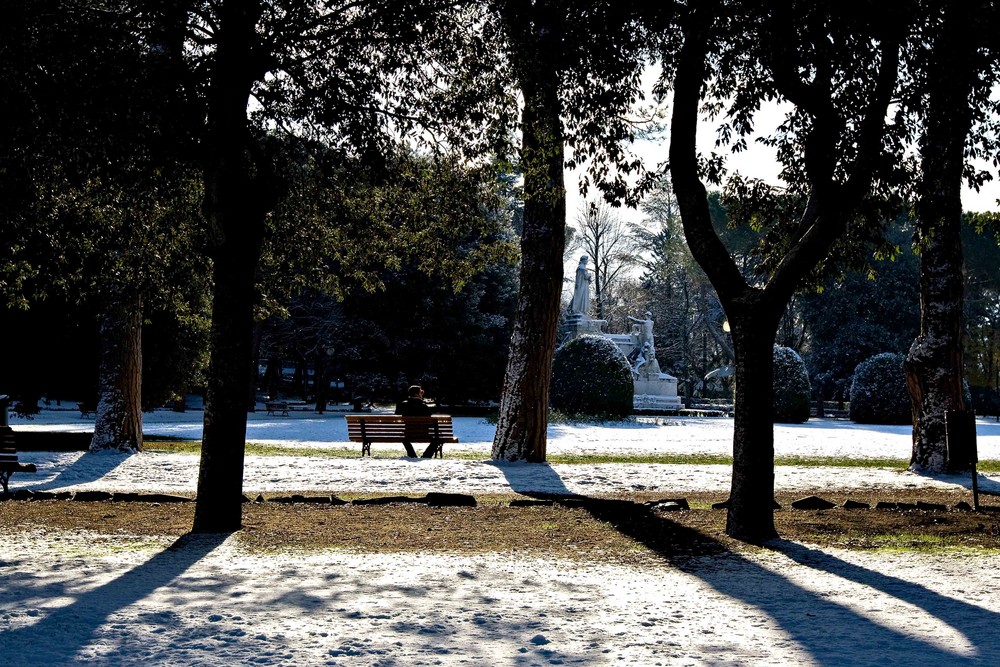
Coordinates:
391 472
76 598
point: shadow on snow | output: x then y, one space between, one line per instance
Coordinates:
830 632
62 633
82 469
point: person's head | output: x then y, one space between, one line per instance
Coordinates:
415 391
583 259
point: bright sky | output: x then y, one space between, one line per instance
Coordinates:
757 161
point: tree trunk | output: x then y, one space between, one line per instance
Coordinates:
220 477
934 369
524 403
119 408
236 203
750 513
754 314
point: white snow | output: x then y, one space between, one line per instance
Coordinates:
390 471
69 598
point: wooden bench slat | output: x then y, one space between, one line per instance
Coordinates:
409 435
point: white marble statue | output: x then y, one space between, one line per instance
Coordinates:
640 360
581 291
646 334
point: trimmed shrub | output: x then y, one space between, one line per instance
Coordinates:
792 394
591 376
878 393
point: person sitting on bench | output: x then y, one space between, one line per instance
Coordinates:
413 406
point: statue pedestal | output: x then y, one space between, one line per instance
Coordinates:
656 391
577 324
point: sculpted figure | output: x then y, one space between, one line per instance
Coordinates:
581 290
645 334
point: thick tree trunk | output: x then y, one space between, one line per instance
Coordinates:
220 477
119 408
235 205
934 369
524 403
751 515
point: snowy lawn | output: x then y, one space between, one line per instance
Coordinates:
390 472
71 597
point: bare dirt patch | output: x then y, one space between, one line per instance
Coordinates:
619 529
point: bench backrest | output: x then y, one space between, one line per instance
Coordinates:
8 454
396 428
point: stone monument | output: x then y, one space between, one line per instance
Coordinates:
653 390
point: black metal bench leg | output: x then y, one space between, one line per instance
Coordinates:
366 448
4 478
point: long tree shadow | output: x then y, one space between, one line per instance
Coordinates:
957 614
64 469
60 635
830 632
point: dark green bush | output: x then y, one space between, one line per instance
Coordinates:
591 376
878 392
792 393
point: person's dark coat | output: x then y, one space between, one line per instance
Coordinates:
413 407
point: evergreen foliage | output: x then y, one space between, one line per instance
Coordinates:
590 376
387 279
878 393
791 387
981 252
864 312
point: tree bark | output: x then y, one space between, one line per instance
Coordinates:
118 423
934 368
523 420
236 202
753 323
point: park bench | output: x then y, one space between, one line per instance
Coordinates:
279 407
9 465
434 430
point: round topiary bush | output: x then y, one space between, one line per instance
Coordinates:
792 393
591 376
878 392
